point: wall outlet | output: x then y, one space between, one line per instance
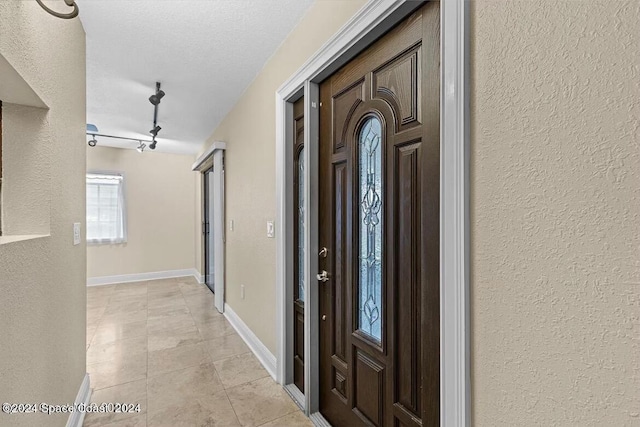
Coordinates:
76 233
241 291
271 229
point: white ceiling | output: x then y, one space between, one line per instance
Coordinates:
204 52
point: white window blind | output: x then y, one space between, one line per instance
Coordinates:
106 215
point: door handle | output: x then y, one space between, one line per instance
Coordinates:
323 277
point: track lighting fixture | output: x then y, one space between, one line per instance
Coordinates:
92 131
155 99
155 130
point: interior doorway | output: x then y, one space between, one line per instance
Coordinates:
211 173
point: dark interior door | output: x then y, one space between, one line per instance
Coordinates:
298 241
207 230
379 220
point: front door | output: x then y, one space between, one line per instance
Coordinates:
379 222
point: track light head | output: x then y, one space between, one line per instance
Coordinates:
93 142
153 145
155 131
141 146
155 99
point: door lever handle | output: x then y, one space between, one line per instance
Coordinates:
322 277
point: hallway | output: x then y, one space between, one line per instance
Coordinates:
163 345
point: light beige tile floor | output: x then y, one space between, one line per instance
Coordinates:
163 344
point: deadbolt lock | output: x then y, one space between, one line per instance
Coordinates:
322 277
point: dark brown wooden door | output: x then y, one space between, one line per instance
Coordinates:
298 241
207 230
379 220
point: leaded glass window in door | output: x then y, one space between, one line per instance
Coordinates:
301 225
370 228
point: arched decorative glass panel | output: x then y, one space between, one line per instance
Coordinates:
301 225
371 209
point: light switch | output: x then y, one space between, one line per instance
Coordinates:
231 225
271 232
76 233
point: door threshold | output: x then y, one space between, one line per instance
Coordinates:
295 394
319 420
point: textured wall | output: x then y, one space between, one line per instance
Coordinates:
161 208
43 302
26 171
249 131
555 202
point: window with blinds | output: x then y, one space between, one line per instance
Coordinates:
106 214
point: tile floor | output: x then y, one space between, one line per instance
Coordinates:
162 344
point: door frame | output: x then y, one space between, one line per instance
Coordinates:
375 18
214 157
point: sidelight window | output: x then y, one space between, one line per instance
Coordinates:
371 210
301 225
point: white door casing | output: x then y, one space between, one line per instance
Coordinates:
214 156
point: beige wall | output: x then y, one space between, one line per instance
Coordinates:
161 209
42 319
249 131
555 203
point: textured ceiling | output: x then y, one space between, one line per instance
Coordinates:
204 52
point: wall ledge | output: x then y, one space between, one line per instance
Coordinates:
14 89
4 240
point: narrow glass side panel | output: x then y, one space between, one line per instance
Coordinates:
370 228
301 225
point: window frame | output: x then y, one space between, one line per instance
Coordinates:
108 241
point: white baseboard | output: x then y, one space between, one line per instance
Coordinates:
76 418
139 277
263 354
199 277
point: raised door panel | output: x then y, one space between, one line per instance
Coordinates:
397 82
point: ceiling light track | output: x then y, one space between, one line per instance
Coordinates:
70 15
141 142
118 137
